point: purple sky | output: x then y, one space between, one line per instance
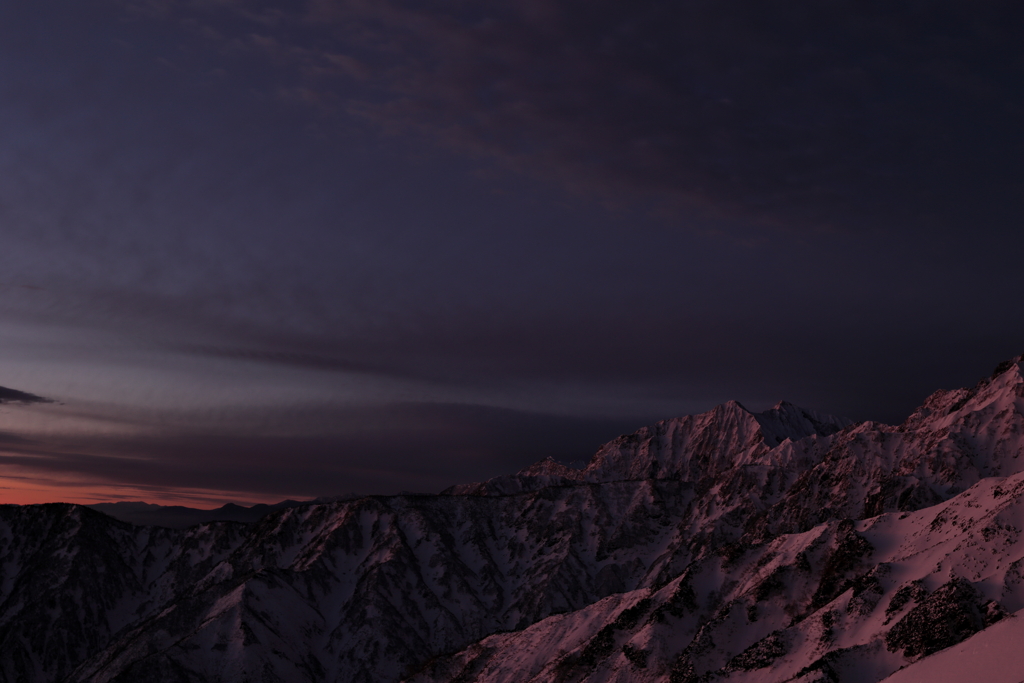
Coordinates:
254 250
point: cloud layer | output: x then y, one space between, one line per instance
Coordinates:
20 397
378 449
804 114
332 245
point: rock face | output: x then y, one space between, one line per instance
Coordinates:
727 546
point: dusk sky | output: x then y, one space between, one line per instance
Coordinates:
254 250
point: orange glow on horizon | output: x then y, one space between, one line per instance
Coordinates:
19 490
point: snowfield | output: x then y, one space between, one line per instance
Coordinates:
993 656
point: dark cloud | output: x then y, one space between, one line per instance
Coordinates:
310 451
383 449
823 114
22 397
7 439
296 359
312 199
867 335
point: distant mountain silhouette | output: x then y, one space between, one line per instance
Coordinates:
181 517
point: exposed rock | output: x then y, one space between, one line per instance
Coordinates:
949 615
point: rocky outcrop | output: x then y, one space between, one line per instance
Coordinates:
846 601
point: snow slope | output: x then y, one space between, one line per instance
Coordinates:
995 653
844 601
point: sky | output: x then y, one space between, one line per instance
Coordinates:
254 250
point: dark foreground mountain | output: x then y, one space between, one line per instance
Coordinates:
727 546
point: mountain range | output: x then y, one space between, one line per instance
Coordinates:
733 546
181 517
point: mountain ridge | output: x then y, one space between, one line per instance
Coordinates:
750 555
181 517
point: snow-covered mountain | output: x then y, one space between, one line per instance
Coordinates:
727 546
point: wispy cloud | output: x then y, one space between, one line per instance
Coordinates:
797 114
231 220
21 397
378 449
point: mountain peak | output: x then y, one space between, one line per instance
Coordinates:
1008 365
788 421
549 467
999 391
698 446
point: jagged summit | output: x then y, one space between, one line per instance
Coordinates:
951 441
787 421
943 408
688 448
694 447
548 467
